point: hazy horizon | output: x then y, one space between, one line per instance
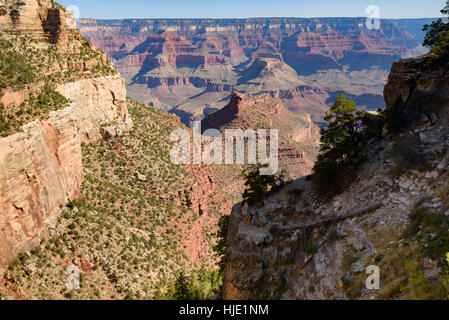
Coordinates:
236 9
253 18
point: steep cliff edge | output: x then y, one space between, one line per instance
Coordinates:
80 185
422 89
394 215
41 166
41 162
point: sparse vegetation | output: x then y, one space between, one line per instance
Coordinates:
351 256
30 70
420 287
333 235
431 229
201 285
309 247
425 238
15 71
128 239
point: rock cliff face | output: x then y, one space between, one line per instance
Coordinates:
41 166
102 101
422 90
36 18
64 138
191 66
298 247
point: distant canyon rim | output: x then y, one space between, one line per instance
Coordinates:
190 67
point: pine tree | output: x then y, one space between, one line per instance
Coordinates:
340 146
438 32
220 247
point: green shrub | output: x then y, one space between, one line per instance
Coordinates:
351 256
259 186
422 288
14 69
416 218
435 32
435 236
220 247
309 247
431 230
333 235
182 291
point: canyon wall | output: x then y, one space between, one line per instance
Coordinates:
39 19
41 168
301 246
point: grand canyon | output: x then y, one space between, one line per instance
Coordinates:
93 207
190 67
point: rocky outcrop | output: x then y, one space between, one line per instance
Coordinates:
37 18
13 97
266 262
198 198
309 135
296 247
41 166
104 100
298 135
424 91
199 193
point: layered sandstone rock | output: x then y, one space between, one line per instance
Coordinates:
104 100
36 18
298 135
13 97
41 167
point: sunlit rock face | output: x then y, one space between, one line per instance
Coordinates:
41 167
